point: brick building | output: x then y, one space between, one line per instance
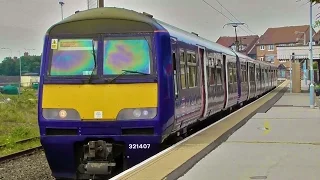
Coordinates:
266 46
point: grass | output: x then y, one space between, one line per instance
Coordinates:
18 121
13 148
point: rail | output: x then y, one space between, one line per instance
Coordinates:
19 154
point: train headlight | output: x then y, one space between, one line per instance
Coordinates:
137 113
61 114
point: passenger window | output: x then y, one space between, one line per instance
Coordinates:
182 70
246 73
211 64
219 79
234 73
175 73
192 69
252 74
243 73
208 70
230 73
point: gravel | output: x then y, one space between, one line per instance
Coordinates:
34 167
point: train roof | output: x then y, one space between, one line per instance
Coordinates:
191 38
108 13
130 15
125 14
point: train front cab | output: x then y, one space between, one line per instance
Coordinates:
92 111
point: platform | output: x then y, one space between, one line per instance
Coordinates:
281 144
179 158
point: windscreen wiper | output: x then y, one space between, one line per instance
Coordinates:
95 62
125 72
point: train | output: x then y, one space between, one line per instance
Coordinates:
115 84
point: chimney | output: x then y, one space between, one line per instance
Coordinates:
26 54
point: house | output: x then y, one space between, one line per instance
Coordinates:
267 44
316 38
246 44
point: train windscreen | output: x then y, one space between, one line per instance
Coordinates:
72 57
79 57
131 54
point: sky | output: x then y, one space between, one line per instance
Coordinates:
23 23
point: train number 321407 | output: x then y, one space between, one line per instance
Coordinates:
139 146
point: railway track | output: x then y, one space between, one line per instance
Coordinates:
20 153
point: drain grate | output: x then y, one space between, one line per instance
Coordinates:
290 106
282 105
258 177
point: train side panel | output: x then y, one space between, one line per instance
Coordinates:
189 102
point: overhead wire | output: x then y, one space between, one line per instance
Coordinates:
235 17
223 15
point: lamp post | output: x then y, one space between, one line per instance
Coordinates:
8 49
235 25
20 62
291 59
101 3
19 71
311 62
61 4
305 62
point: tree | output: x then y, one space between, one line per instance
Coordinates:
315 1
29 64
317 22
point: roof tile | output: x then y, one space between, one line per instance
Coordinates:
247 40
284 35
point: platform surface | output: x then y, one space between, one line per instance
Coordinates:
174 161
281 144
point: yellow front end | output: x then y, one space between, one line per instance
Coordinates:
108 99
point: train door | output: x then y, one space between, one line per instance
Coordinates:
176 75
248 79
225 80
238 70
218 87
203 80
174 62
257 79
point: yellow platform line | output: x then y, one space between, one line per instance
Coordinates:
160 166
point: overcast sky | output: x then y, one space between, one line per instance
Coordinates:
23 23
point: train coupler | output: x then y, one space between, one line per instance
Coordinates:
97 158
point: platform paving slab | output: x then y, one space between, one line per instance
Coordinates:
281 144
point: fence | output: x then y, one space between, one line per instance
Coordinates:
285 74
26 81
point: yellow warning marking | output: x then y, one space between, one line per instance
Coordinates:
54 44
267 128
